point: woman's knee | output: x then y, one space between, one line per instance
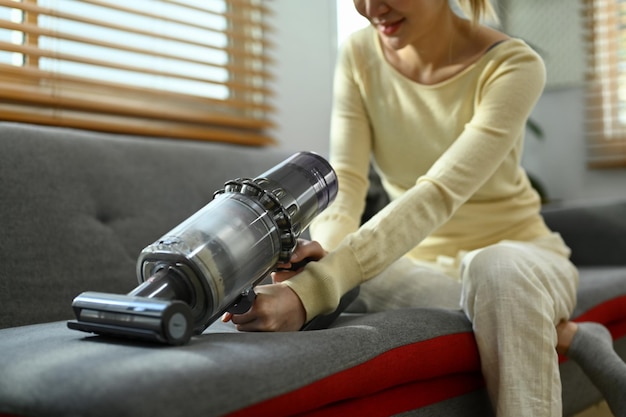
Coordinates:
494 266
495 275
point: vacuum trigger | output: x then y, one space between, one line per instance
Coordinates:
296 266
243 303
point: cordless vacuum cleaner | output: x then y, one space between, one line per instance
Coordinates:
211 262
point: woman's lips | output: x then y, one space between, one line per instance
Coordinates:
389 29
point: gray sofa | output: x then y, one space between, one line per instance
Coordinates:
76 209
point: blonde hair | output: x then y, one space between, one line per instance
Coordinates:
479 10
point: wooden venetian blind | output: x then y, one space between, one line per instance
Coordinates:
605 22
194 69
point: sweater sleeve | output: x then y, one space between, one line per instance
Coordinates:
507 92
349 155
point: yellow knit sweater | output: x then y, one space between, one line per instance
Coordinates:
448 155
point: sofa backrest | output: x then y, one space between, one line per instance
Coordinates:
594 231
77 207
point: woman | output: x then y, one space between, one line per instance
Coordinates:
439 103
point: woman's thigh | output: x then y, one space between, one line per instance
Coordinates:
520 274
407 284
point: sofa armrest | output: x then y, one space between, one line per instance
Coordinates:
596 233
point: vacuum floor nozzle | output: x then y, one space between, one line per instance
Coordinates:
164 321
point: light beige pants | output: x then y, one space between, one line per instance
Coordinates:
514 293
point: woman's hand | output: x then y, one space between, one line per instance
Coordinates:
305 252
277 308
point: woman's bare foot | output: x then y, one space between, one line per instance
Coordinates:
565 332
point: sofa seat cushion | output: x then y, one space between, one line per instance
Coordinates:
48 369
423 371
417 360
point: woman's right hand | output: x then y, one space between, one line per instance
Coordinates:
306 251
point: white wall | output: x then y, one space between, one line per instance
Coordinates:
305 54
559 160
556 29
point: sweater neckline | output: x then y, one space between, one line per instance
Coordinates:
485 56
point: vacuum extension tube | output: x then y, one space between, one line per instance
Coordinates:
210 263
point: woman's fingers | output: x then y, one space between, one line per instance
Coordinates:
276 309
280 276
305 252
307 249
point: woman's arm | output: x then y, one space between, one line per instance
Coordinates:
508 92
505 98
350 155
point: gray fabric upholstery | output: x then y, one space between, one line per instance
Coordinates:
478 402
77 208
218 372
48 370
596 233
597 284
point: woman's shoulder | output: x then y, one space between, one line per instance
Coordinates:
512 56
513 49
361 36
362 41
513 66
485 40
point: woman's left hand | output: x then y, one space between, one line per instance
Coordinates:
276 308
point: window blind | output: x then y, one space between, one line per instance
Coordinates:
196 69
605 29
